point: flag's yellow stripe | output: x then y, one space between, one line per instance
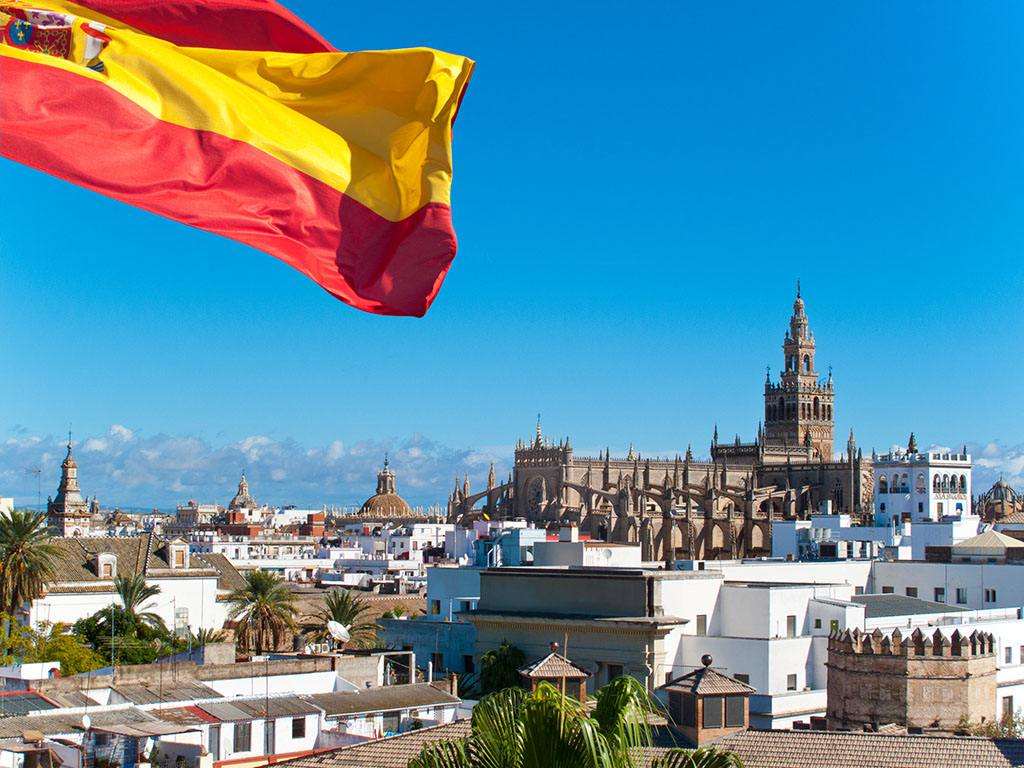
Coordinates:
374 125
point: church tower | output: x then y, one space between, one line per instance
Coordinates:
68 514
798 407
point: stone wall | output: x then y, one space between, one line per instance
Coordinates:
928 681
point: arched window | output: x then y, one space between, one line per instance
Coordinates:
807 363
945 482
904 483
963 483
936 484
894 485
782 409
883 485
817 408
920 482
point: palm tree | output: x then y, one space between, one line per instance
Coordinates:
545 728
134 591
348 609
208 637
263 610
27 558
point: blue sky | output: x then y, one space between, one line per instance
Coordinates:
637 188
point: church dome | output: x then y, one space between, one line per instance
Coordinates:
243 499
386 502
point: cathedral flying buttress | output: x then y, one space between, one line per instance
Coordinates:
718 507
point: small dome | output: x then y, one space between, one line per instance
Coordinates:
386 502
386 505
243 499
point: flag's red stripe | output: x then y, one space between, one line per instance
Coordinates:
242 25
80 130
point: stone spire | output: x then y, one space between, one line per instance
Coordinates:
912 444
538 440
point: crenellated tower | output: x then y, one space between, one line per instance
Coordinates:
798 407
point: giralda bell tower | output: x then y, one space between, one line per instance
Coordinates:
798 408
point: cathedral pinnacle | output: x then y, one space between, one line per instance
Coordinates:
912 444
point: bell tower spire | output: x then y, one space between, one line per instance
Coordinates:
798 408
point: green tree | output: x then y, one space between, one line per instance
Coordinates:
208 636
56 643
499 668
348 609
27 558
263 611
134 592
546 728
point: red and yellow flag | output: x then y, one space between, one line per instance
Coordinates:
236 117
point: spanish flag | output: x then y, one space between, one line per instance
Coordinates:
236 117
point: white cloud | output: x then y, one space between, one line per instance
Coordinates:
129 468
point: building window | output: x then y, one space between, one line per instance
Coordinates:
179 558
791 626
614 671
920 507
298 727
833 626
713 711
887 590
858 590
911 591
243 737
467 605
435 607
108 571
961 596
940 594
1007 707
990 595
437 661
702 625
742 677
734 712
938 508
817 623
790 682
689 710
1008 655
467 663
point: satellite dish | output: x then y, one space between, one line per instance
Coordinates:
338 631
86 722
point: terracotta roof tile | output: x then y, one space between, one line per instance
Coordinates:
708 682
395 752
554 665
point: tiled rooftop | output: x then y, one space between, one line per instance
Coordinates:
554 665
379 699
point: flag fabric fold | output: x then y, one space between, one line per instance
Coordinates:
235 117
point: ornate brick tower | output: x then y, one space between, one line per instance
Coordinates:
798 408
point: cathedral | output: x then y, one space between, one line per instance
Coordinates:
716 507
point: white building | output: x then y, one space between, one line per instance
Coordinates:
921 486
765 623
570 550
84 582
